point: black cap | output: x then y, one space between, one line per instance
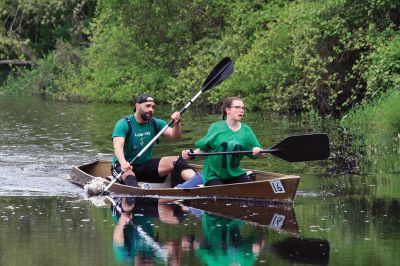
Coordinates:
145 98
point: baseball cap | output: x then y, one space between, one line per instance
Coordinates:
145 98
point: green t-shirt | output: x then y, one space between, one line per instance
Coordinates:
221 138
141 135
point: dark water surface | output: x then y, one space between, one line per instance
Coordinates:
347 210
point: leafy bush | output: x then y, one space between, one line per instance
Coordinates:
44 75
30 29
290 56
382 66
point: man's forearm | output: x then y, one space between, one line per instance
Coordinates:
177 131
119 152
120 156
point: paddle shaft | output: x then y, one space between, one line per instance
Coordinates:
297 148
230 152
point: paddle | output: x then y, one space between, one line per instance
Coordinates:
220 73
298 148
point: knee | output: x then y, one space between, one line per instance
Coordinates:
168 161
181 164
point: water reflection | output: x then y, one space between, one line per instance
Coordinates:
52 231
303 250
278 217
134 241
225 239
224 243
352 199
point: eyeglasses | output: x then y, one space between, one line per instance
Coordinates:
237 107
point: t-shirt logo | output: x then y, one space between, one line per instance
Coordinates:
141 140
141 137
234 159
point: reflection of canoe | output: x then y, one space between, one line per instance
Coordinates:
266 186
276 216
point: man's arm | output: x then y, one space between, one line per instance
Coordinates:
118 143
174 133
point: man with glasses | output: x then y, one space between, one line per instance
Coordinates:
134 132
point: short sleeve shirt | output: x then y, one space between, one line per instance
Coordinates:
221 138
141 135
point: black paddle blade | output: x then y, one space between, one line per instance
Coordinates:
303 148
220 73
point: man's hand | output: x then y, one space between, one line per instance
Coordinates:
175 132
176 117
125 167
185 154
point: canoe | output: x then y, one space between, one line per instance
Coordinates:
279 217
267 186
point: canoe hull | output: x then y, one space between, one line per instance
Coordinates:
273 187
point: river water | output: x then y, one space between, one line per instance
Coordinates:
346 211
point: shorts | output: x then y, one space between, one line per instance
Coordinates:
146 172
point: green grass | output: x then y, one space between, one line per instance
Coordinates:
378 121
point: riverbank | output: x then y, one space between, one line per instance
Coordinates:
377 121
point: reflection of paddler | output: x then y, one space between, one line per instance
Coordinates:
132 237
225 244
133 240
148 207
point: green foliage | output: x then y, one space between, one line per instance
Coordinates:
140 47
378 121
243 21
44 77
39 80
297 56
383 71
290 56
30 29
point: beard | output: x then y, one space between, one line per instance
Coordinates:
145 116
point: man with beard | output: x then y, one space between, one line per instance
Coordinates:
132 133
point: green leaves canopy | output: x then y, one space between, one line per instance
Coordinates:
290 56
